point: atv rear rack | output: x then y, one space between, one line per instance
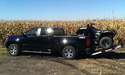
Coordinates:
108 50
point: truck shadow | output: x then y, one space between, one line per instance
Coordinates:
54 58
108 55
40 55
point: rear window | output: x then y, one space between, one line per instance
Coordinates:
59 31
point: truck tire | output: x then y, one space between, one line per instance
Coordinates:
106 43
14 50
69 52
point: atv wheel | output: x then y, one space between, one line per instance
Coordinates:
106 43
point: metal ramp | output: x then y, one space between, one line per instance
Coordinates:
108 50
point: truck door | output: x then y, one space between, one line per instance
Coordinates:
45 39
29 41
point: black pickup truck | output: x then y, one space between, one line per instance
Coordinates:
49 40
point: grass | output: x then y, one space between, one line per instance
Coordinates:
3 51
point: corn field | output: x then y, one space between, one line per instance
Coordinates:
18 27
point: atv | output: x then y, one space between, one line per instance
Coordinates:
102 38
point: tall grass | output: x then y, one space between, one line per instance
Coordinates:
17 27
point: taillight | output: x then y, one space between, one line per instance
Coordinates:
112 31
88 42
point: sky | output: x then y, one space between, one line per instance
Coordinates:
61 10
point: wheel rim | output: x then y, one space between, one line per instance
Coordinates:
69 53
13 50
106 43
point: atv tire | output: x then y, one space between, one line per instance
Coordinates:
106 43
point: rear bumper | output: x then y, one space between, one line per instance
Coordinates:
90 50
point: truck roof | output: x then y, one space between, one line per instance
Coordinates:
50 27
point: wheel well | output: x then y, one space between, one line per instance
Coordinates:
106 35
65 46
10 44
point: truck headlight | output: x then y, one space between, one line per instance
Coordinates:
6 38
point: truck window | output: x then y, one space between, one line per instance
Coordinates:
46 32
32 32
59 31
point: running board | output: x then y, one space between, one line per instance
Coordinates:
36 52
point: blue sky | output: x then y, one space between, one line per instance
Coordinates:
66 10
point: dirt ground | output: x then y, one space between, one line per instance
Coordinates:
112 63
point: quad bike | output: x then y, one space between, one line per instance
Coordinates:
103 38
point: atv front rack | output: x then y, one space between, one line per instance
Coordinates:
108 50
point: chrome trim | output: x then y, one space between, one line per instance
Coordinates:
36 52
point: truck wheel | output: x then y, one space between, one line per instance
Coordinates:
13 50
69 52
106 43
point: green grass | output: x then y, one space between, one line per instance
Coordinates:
3 51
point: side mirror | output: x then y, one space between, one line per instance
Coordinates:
24 34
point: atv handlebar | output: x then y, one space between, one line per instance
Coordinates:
90 24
